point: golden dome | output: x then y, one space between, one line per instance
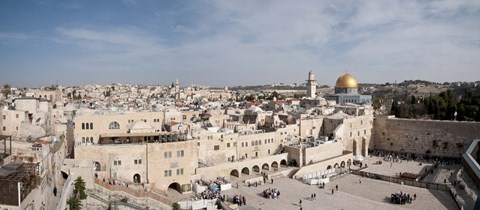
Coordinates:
346 81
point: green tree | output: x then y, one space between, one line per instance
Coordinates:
79 190
74 203
176 206
6 90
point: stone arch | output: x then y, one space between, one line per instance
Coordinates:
355 147
342 164
265 166
114 125
283 162
293 163
175 186
246 171
336 165
274 164
235 173
329 167
137 178
97 166
364 147
255 168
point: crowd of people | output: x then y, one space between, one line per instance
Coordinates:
272 193
239 200
209 194
402 198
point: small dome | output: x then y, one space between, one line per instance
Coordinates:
346 81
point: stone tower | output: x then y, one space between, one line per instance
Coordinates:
311 85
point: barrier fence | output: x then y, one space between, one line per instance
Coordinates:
428 185
135 193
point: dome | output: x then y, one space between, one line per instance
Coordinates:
346 81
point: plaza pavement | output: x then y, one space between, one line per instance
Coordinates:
370 194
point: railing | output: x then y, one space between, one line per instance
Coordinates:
428 185
135 193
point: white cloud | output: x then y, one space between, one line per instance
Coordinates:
248 42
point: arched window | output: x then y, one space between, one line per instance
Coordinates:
83 126
87 126
91 125
114 125
83 139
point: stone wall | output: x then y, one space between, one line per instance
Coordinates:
433 137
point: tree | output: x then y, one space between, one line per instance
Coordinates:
79 190
176 206
7 89
74 203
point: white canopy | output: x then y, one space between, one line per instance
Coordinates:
358 157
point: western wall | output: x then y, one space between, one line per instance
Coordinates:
432 137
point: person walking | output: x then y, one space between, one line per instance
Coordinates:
300 202
332 191
336 187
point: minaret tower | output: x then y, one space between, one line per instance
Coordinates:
311 85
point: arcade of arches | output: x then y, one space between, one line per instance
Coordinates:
258 168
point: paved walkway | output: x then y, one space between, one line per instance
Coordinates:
370 194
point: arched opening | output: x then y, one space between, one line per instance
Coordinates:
329 167
256 168
137 178
293 163
97 166
336 165
265 166
175 186
354 147
342 164
234 172
364 147
246 171
274 164
114 125
283 163
64 175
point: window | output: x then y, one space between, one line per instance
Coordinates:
364 131
216 147
137 161
350 134
184 117
16 116
179 171
4 128
4 117
87 126
358 133
167 154
228 144
83 126
246 144
117 162
83 139
180 153
243 144
168 173
91 125
114 125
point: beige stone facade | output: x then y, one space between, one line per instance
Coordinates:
433 137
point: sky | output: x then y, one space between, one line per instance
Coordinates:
231 43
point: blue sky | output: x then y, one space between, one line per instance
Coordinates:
231 43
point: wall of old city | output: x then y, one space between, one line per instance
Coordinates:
323 152
433 137
311 127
